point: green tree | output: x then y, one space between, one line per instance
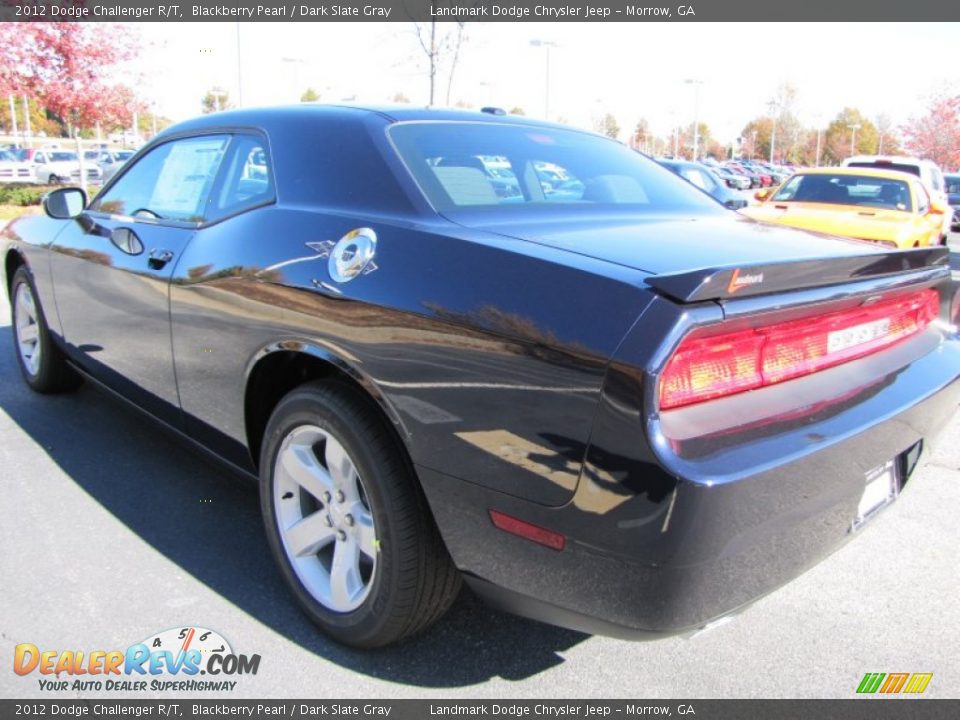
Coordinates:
840 134
607 125
215 100
310 95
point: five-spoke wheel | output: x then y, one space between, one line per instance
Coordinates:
324 518
346 518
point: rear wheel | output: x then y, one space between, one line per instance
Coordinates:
41 362
347 522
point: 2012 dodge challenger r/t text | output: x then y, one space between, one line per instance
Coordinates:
462 346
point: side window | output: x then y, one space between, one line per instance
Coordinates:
39 158
937 180
171 182
246 177
923 202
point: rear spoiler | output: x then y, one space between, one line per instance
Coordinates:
747 280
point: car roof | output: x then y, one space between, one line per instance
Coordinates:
390 113
859 172
898 159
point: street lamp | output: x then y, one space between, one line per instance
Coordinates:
853 138
239 69
753 146
774 107
537 42
696 113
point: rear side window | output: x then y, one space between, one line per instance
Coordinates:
511 167
246 179
923 202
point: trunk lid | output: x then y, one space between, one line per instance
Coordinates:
704 258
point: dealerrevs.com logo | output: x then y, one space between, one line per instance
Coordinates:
172 660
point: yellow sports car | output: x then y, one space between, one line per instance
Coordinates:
883 206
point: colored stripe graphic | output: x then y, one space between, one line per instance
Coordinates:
918 683
894 683
870 682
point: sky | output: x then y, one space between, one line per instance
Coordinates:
632 70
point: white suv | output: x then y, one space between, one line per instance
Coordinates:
926 170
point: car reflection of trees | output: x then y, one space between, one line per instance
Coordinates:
92 255
487 329
525 335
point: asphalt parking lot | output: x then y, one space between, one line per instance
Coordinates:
110 532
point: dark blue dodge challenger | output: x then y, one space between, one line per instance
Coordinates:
602 399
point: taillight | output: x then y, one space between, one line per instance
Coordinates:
708 366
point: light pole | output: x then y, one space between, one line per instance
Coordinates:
297 62
13 118
547 44
239 75
853 138
817 161
696 112
753 146
773 128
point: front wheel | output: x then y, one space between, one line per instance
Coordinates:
53 180
41 362
347 521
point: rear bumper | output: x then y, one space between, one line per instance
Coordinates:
651 552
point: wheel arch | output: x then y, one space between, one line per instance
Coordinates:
282 366
12 261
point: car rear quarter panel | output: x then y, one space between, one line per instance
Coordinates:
488 353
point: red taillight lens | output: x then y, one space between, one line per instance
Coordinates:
711 366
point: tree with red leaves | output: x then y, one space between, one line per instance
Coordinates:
936 135
67 67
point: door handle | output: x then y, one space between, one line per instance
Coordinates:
159 258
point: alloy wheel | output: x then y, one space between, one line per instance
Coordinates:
324 518
27 323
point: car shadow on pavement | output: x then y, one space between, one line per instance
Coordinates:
140 476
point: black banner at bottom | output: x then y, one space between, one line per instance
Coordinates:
873 708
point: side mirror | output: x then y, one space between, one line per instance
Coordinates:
762 195
64 203
938 207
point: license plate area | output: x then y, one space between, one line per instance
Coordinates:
881 487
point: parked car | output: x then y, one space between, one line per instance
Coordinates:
631 412
755 179
952 183
53 167
926 170
886 207
12 169
110 161
732 179
703 178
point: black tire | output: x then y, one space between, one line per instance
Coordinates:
53 180
415 581
52 374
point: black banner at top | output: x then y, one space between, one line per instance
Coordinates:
479 11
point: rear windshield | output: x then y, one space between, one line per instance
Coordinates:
486 166
847 190
912 169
